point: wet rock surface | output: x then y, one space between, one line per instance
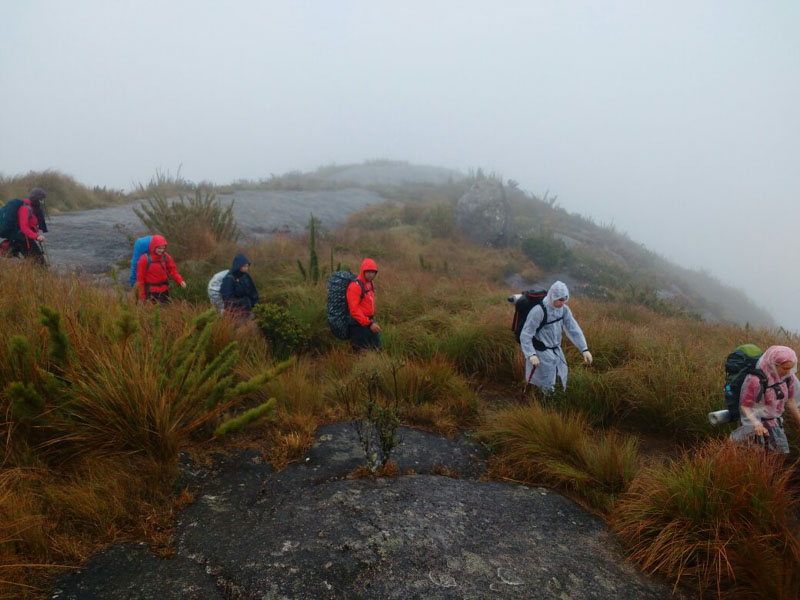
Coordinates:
93 240
309 533
483 214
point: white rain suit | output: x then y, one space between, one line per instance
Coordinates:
552 360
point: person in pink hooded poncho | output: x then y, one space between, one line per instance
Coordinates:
762 405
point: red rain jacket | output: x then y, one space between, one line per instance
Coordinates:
362 309
155 278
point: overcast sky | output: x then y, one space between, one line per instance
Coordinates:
678 122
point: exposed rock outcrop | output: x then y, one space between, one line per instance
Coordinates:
483 214
309 533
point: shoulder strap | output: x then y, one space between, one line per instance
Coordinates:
544 320
363 288
762 381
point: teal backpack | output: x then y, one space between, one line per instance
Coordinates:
9 223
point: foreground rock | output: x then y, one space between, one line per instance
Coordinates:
308 533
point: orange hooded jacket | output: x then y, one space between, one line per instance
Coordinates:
362 309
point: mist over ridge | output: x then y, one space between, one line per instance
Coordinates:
674 122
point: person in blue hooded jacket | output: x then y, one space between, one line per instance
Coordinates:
238 291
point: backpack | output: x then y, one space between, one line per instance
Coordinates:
524 304
9 221
140 246
739 364
214 289
336 308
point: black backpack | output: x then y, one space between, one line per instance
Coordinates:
739 364
527 300
336 308
9 222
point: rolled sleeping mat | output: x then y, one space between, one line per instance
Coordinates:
718 417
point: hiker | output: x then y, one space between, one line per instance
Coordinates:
363 331
31 224
762 405
140 246
540 340
238 292
154 270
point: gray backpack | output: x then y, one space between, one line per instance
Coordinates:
214 288
336 308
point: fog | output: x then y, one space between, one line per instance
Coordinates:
677 122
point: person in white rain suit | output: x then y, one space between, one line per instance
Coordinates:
540 339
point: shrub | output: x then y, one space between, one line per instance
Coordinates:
717 516
128 393
193 224
284 334
375 414
545 250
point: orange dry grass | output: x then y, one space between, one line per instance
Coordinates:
720 517
50 519
537 445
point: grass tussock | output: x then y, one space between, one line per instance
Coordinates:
717 516
541 446
50 518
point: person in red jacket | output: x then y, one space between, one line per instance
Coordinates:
364 332
26 240
154 270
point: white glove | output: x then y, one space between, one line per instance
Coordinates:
534 360
587 357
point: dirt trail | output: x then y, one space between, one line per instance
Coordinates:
93 240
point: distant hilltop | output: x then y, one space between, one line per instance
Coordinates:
386 172
595 260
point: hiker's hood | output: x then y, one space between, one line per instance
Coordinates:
239 261
156 241
557 291
774 356
367 265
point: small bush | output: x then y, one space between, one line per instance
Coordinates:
284 334
547 251
715 517
194 224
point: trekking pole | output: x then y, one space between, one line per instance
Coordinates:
527 383
45 254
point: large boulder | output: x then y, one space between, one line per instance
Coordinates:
484 216
309 533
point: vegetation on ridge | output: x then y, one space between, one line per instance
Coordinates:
450 363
